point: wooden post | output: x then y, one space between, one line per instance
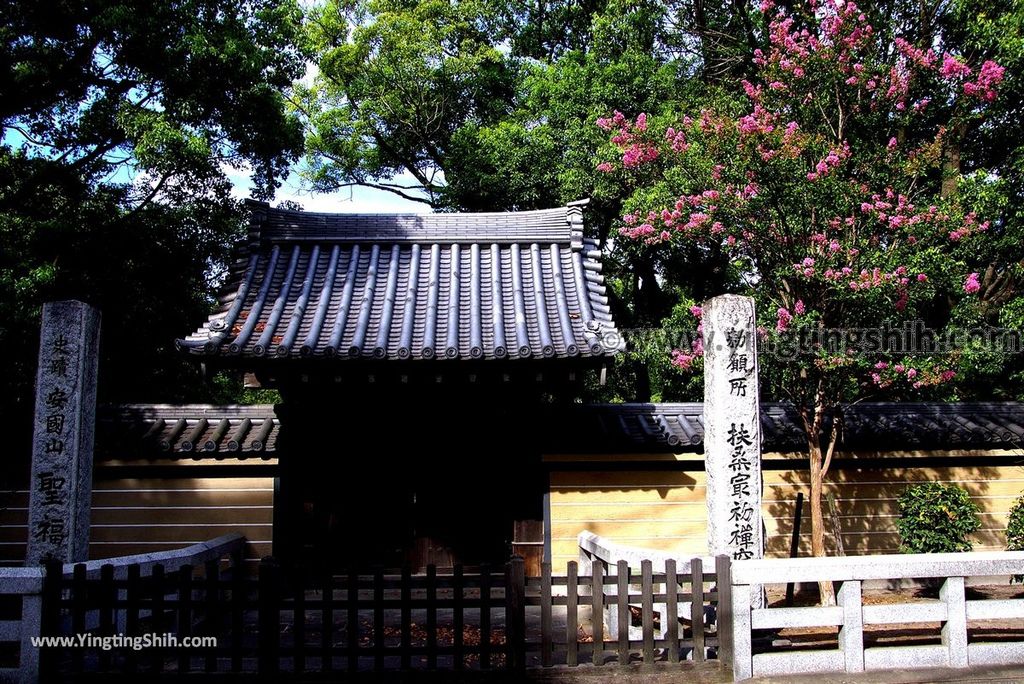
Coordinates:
299 628
159 588
79 604
622 601
184 615
458 618
133 589
485 616
571 617
378 618
352 620
269 615
432 617
597 610
837 528
49 619
239 599
647 609
212 609
107 596
546 641
697 608
670 620
327 623
406 626
515 614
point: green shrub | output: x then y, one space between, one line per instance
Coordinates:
1015 531
936 518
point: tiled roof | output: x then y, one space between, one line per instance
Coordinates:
200 431
447 286
878 426
136 431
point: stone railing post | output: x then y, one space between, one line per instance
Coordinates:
954 629
851 634
742 652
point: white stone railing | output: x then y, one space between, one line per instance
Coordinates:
597 549
952 610
28 583
194 555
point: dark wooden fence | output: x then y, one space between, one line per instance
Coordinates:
479 618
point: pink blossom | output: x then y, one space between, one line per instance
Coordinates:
605 167
696 311
784 319
921 277
953 67
911 374
882 365
682 360
799 307
971 285
892 143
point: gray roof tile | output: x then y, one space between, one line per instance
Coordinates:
435 286
137 431
201 431
872 426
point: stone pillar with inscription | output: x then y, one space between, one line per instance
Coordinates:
732 428
62 443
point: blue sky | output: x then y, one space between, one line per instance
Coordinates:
351 200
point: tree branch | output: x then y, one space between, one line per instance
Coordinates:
395 189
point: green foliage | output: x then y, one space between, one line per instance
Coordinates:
1015 531
120 120
936 518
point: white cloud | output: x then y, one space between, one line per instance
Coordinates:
356 200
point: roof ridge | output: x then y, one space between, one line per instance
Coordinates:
561 225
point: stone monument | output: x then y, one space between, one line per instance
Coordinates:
732 428
62 443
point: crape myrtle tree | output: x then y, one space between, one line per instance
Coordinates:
837 195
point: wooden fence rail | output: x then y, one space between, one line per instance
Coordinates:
374 620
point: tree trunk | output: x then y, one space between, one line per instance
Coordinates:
951 160
812 427
828 597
